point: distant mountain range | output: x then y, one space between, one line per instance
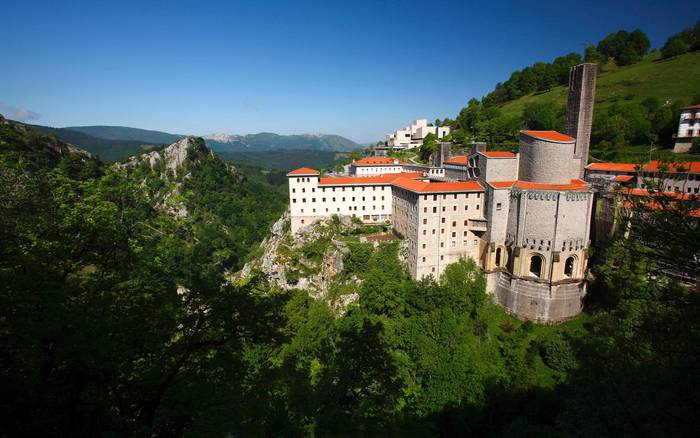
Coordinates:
113 143
266 141
126 133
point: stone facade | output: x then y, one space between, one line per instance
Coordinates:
579 109
439 227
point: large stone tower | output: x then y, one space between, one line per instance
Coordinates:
579 110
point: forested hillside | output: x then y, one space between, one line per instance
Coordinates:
285 160
118 317
637 100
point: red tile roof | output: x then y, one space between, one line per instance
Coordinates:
575 185
691 166
438 187
659 205
549 135
376 161
387 178
498 154
613 167
691 107
623 178
501 184
652 166
644 192
304 171
462 159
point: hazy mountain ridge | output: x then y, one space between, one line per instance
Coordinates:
115 143
122 133
265 141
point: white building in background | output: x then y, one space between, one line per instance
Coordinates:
369 166
688 127
412 136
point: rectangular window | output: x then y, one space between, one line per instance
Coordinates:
498 206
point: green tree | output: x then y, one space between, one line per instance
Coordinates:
428 148
541 116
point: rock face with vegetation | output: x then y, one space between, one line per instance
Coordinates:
164 172
321 258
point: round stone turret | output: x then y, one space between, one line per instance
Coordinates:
547 157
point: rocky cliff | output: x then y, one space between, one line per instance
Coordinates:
313 259
164 171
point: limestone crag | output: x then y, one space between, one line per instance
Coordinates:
289 263
172 165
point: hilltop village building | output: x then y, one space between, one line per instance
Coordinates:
412 136
688 128
525 217
375 166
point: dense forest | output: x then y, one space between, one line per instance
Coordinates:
118 319
619 123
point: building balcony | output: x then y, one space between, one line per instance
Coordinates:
478 224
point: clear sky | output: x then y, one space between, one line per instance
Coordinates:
353 68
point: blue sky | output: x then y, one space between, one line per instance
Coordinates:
354 68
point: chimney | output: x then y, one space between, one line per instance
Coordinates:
579 110
442 153
478 146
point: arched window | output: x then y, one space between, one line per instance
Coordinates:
498 256
569 266
536 265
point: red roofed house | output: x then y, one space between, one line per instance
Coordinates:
681 177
